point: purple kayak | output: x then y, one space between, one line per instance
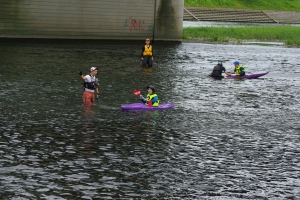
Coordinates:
141 106
255 75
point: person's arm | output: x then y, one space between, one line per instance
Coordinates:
152 53
143 100
97 84
236 72
233 71
226 72
154 99
143 49
81 75
223 69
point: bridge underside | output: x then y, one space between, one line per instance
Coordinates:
92 19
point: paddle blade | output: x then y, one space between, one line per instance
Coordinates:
137 92
149 103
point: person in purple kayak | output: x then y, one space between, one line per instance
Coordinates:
152 98
218 70
239 69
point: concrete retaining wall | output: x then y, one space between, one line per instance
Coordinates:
92 19
284 17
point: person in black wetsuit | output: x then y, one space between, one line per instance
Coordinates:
217 71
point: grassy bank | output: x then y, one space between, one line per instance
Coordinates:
287 5
288 34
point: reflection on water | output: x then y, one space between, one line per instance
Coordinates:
224 139
147 70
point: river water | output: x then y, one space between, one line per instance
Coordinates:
224 139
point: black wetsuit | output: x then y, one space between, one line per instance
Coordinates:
217 71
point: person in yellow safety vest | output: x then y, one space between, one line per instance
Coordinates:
147 54
239 69
152 98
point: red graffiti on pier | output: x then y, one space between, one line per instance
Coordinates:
134 24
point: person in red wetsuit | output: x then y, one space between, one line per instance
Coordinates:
90 86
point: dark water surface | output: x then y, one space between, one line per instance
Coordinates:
224 139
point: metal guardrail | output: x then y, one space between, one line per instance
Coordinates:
191 14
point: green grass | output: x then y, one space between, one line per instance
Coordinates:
288 34
287 5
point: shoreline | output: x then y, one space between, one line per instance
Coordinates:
283 35
238 42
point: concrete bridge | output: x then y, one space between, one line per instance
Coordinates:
92 19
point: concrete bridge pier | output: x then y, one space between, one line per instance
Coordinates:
92 19
169 20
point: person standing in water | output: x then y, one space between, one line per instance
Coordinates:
90 86
218 70
147 54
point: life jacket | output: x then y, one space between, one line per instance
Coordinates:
91 85
147 51
217 71
218 68
240 70
150 97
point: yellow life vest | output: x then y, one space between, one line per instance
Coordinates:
147 51
240 70
150 97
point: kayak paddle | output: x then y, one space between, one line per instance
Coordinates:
137 92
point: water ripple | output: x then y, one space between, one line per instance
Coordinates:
224 139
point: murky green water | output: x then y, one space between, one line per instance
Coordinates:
225 139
